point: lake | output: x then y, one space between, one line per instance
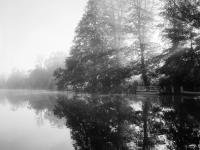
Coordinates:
50 120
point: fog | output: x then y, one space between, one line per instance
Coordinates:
99 74
33 29
39 77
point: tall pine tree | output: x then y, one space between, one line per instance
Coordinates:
93 63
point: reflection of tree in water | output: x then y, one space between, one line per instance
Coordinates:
182 123
177 119
150 124
98 123
111 123
38 101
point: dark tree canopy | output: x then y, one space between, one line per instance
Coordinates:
182 64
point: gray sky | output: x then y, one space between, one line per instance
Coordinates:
31 28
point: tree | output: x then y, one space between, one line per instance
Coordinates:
182 63
88 44
93 60
39 78
17 80
140 24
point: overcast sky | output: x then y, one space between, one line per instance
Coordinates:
32 28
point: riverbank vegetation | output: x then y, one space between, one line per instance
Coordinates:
120 44
41 77
115 41
112 43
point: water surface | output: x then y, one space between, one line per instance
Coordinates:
47 120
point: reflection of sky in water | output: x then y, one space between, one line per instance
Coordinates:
23 128
29 120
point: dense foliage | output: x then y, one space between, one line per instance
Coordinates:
100 58
115 41
182 66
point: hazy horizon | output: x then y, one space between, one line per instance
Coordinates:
32 29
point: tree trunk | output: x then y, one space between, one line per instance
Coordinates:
145 125
141 38
143 66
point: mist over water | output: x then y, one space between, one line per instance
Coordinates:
65 120
99 75
27 122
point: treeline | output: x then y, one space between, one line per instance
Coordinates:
115 41
41 77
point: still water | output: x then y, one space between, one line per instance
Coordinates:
45 120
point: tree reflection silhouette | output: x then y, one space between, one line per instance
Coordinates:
110 123
98 123
182 123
